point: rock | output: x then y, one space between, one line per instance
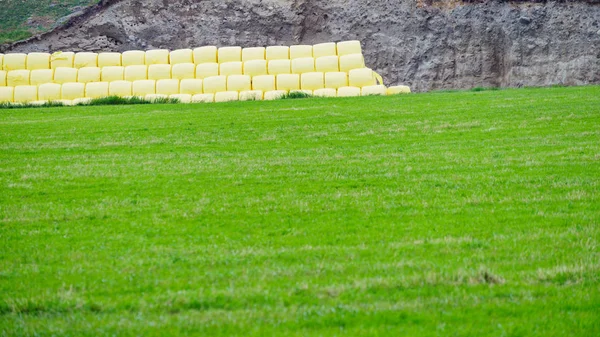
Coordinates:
525 20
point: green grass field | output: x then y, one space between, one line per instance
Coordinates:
440 214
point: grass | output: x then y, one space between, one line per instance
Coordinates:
443 214
110 100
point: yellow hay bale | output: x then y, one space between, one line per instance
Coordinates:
255 68
38 61
183 71
288 82
2 78
348 92
190 86
351 61
15 61
37 103
229 54
136 73
40 76
133 58
155 97
278 53
250 54
230 68
251 95
109 60
7 94
85 60
303 65
141 88
349 47
159 71
167 87
182 56
65 75
327 64
326 92
206 54
84 100
157 56
89 74
239 83
26 93
312 81
274 94
17 77
301 51
264 83
1 62
214 84
112 73
227 96
182 98
71 91
205 70
203 98
324 49
66 102
398 89
278 67
361 77
374 90
96 90
49 92
62 59
120 88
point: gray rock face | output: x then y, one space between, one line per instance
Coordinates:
428 45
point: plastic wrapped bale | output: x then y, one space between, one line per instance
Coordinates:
26 93
301 51
251 54
49 92
361 77
348 48
324 49
227 96
264 83
274 94
303 65
278 53
229 54
182 56
167 87
182 71
239 83
278 67
71 91
255 68
89 74
312 81
84 100
374 90
141 88
214 84
203 98
326 92
112 73
351 61
190 86
38 61
398 89
40 76
120 88
251 95
327 64
65 102
348 92
109 60
230 68
65 75
85 60
288 82
2 78
159 71
37 103
155 97
7 94
157 56
17 77
182 98
206 54
96 90
15 61
1 62
62 59
205 70
133 58
136 73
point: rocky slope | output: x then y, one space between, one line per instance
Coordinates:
427 44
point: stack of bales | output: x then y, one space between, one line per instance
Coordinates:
205 74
